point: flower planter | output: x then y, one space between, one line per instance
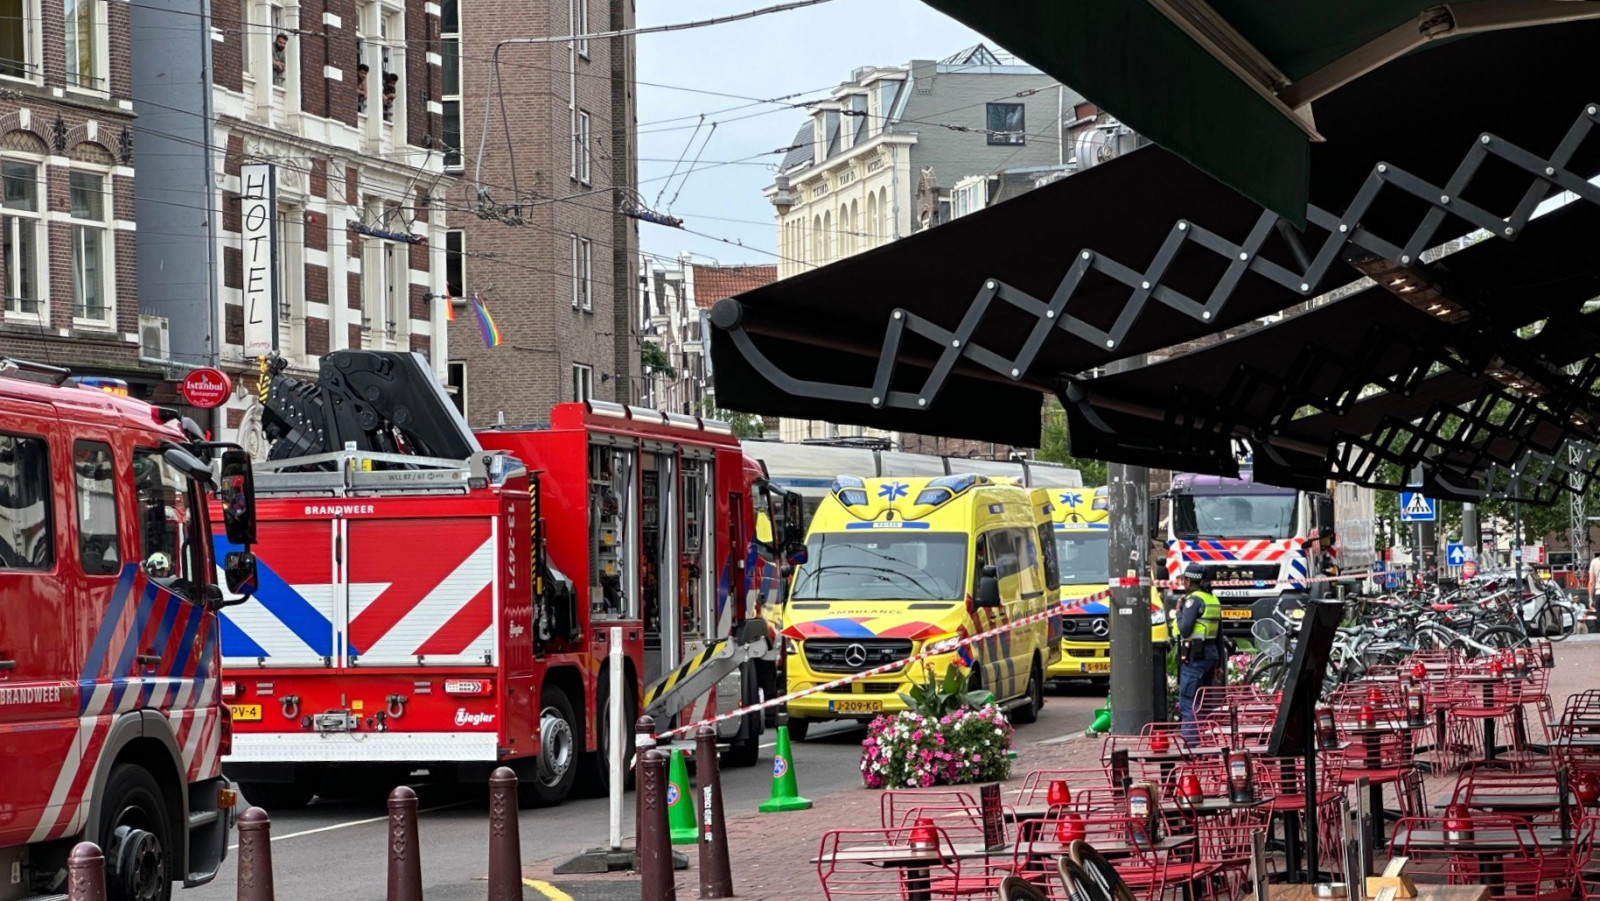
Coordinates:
910 750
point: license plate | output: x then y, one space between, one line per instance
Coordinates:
856 706
1236 613
1103 666
246 713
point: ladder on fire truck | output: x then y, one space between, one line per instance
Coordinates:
670 694
353 473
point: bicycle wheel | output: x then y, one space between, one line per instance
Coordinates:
1266 674
1553 621
1503 638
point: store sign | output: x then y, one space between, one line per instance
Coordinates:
258 224
206 388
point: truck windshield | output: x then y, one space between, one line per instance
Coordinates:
1084 557
1234 516
880 565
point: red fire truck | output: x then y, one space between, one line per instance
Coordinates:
111 727
436 600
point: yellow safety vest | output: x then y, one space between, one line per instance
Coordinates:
1209 625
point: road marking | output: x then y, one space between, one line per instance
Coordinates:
279 838
769 744
546 889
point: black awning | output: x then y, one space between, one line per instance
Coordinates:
1406 167
1371 379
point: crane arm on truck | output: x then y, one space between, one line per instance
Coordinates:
381 401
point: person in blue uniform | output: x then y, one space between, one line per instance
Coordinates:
1200 647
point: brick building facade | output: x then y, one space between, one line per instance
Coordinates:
66 163
547 250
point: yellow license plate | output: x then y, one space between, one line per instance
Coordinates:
856 706
1236 613
1103 666
246 713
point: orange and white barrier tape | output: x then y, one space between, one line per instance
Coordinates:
1238 583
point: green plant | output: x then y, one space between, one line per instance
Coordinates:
935 698
656 361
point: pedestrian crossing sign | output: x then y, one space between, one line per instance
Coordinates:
1414 507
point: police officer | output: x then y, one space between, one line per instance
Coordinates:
1200 651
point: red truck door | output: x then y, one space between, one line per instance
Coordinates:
39 658
289 620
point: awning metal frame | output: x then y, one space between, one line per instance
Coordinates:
1344 234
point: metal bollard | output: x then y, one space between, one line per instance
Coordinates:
505 841
255 855
86 873
405 850
716 874
655 838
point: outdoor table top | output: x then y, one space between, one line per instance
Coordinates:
1302 892
1382 728
1176 753
1576 741
1513 801
1487 839
1114 849
1206 806
907 856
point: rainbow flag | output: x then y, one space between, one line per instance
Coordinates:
491 332
449 306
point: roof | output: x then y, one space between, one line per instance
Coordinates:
713 283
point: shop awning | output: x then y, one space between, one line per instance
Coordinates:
1503 368
1194 76
959 329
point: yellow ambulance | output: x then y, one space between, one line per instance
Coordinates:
1082 538
894 563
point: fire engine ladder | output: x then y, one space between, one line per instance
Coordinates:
667 696
354 473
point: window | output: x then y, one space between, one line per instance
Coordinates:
91 247
880 566
391 30
582 274
86 43
1006 123
450 80
166 542
1083 557
19 39
247 32
578 10
580 147
455 263
22 220
280 45
455 384
94 475
26 533
582 382
291 281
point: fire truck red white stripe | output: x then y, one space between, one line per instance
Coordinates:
942 647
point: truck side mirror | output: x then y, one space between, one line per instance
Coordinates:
988 587
237 495
1153 511
239 570
1324 515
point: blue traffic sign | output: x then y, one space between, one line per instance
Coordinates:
1455 554
1391 580
1414 507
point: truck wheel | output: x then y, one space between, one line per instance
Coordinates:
596 777
1029 711
798 729
556 767
136 832
279 795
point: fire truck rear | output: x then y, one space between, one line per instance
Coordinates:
427 604
110 722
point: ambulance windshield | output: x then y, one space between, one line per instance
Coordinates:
1083 556
1233 516
879 564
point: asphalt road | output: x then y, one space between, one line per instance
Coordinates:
338 846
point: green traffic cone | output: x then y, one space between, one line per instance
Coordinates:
785 789
680 803
1102 720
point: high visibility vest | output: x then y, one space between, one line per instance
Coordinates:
1209 625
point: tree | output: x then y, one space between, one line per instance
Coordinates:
656 361
744 425
1055 447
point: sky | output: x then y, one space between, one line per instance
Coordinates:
805 52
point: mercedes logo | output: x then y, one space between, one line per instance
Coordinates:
1100 627
855 655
